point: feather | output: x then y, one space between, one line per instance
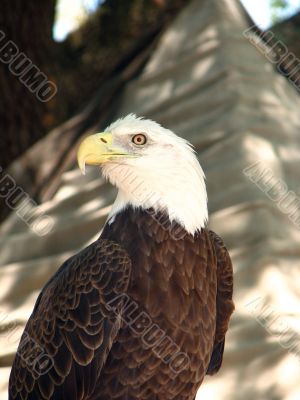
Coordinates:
136 315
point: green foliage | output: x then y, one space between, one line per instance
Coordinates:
277 6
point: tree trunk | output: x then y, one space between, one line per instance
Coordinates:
26 46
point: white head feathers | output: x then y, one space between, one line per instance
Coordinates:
164 174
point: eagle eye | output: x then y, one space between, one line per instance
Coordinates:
139 139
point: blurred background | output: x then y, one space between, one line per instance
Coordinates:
224 74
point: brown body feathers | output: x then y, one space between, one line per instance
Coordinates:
137 315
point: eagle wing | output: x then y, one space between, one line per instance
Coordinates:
71 330
225 305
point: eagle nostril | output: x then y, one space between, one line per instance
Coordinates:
103 140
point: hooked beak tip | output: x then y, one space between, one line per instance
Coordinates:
82 167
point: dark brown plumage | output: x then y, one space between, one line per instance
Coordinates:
136 315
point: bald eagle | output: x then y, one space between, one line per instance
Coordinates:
141 313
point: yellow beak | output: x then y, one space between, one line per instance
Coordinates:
97 149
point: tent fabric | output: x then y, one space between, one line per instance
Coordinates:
210 84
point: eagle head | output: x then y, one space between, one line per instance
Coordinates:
152 168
